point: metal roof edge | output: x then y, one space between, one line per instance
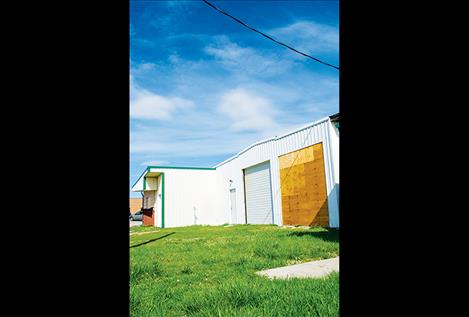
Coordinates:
144 172
273 139
182 167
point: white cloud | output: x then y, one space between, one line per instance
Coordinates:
154 163
246 60
309 36
226 120
248 112
145 104
143 67
174 59
228 51
139 70
168 143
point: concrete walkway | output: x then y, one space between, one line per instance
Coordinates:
314 269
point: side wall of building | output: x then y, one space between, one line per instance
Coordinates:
189 198
335 182
202 196
230 172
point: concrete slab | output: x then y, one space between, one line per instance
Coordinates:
134 223
314 269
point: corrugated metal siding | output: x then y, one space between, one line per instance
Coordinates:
191 197
258 194
233 206
269 150
203 196
334 194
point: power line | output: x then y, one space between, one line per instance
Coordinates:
269 37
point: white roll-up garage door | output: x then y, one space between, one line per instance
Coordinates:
258 194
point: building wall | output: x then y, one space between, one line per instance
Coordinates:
335 182
149 198
158 202
303 187
269 150
135 204
152 198
201 196
189 198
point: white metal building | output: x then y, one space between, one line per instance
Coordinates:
288 179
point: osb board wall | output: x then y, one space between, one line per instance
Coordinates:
135 204
303 187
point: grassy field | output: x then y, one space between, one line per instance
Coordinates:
210 271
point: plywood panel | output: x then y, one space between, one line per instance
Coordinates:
303 187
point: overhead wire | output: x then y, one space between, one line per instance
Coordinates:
289 47
269 37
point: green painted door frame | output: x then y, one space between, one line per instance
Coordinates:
162 196
162 182
162 200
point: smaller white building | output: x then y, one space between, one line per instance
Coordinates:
180 196
289 179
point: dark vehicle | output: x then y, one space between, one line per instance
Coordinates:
138 216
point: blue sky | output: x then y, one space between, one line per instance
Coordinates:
203 87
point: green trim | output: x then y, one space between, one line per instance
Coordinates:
162 200
147 169
183 167
144 182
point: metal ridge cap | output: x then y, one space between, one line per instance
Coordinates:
273 139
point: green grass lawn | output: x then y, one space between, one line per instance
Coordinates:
210 271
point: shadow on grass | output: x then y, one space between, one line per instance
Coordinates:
331 235
137 245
